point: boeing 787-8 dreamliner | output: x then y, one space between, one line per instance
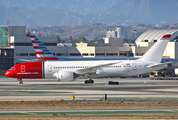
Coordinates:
68 70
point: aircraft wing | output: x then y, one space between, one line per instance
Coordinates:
94 68
160 64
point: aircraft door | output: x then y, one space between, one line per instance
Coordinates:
126 68
121 68
134 66
22 68
50 68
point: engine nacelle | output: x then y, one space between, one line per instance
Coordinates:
100 73
64 76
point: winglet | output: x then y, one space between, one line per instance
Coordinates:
41 50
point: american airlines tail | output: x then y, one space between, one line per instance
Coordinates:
155 53
41 50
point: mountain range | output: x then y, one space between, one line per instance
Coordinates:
79 6
37 13
146 11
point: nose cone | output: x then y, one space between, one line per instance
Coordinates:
7 74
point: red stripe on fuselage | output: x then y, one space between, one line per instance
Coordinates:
39 53
167 36
31 36
33 41
37 47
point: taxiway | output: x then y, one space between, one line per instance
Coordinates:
129 88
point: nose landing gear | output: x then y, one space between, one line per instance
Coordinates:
20 80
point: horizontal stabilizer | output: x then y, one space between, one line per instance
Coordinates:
160 64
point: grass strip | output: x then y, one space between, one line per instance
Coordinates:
88 112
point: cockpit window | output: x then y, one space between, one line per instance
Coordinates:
12 68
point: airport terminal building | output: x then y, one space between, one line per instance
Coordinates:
15 44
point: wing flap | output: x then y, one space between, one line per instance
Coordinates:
160 64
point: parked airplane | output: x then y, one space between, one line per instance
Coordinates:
43 53
68 70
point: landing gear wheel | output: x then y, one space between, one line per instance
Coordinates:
91 81
21 82
86 81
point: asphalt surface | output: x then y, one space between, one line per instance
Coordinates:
129 88
42 89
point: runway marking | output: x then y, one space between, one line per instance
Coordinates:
31 92
77 84
142 98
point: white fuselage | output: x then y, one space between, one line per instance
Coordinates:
122 69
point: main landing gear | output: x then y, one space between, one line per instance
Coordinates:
89 81
20 80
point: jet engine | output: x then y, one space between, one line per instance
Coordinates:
101 73
64 76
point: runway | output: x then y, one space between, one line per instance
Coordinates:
129 88
6 80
